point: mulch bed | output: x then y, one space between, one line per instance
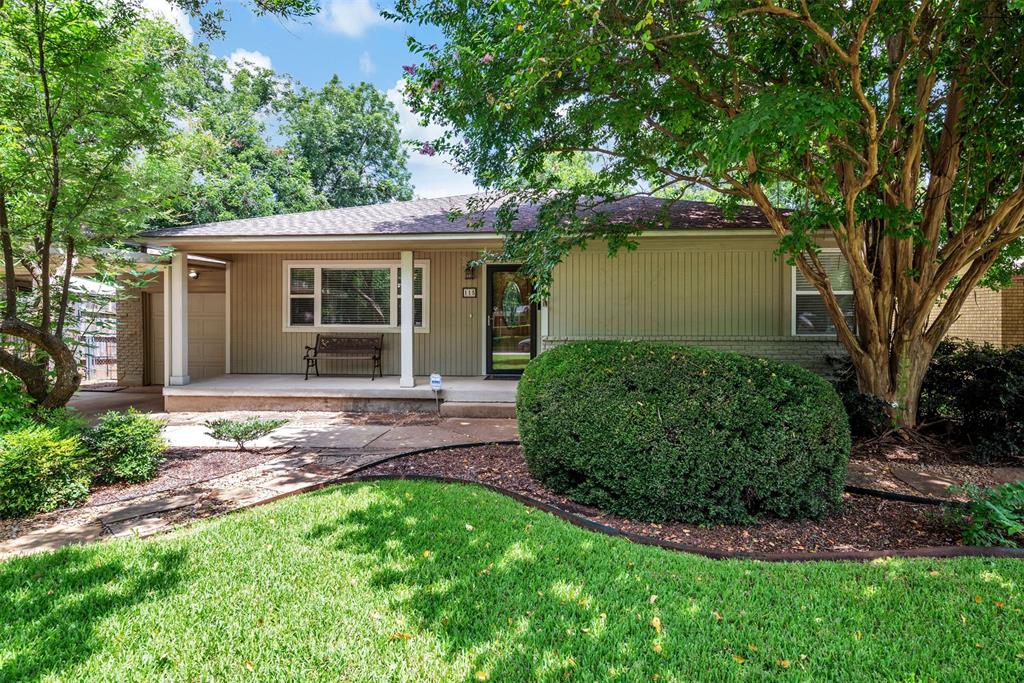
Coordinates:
184 467
864 522
925 454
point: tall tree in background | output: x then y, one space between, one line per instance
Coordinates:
893 125
348 137
83 116
231 169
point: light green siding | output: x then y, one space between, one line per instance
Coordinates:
728 292
672 288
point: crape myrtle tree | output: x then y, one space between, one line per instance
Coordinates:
231 168
893 125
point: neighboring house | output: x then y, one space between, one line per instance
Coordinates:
92 327
247 296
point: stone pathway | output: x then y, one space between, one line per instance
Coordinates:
319 455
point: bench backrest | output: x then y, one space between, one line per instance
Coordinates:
332 343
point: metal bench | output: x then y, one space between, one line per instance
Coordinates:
347 348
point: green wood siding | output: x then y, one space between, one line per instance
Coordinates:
672 288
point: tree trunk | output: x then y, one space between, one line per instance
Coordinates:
896 374
65 376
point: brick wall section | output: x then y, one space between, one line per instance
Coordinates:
980 319
1013 313
809 353
131 339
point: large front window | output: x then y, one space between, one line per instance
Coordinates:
810 317
353 296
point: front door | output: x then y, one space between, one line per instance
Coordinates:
511 321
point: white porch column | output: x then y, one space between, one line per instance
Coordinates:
227 318
177 313
408 320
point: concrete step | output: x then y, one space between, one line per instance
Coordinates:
478 409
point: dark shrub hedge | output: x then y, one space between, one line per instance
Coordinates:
979 390
664 432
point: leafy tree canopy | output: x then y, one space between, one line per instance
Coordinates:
254 143
893 125
348 138
228 165
85 117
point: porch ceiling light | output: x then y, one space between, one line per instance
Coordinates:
193 274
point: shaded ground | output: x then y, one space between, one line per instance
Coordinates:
182 469
91 404
864 523
925 466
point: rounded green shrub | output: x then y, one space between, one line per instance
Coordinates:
126 446
664 432
41 469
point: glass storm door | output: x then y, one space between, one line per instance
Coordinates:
511 317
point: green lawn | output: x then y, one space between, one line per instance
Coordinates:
422 581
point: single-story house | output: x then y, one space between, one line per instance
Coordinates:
228 321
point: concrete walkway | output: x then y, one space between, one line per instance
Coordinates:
320 451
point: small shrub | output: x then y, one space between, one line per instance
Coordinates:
17 412
126 446
242 431
665 432
41 469
994 516
15 409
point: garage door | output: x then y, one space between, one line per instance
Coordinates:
205 336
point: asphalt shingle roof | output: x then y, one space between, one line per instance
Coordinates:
431 216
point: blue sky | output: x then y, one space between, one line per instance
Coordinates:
348 38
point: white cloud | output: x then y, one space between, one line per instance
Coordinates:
432 176
350 17
366 64
170 13
240 58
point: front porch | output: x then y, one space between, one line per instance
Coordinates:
460 396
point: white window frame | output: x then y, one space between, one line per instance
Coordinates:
794 294
318 266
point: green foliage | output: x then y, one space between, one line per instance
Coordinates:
994 516
665 432
980 390
229 168
339 145
84 117
17 411
15 407
348 139
242 431
41 469
126 446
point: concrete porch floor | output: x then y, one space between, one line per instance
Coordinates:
291 392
